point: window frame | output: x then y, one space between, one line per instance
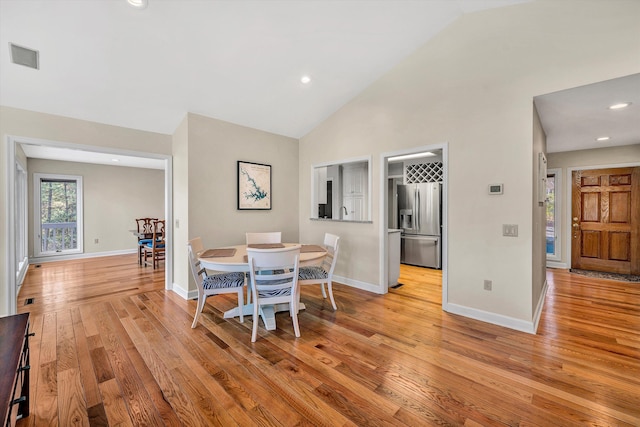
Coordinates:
556 173
37 219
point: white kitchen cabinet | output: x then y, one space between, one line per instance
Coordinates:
354 191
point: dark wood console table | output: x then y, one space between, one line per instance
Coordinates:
14 368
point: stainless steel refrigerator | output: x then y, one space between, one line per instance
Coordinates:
419 217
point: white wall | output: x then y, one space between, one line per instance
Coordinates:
181 272
113 197
209 157
472 86
539 215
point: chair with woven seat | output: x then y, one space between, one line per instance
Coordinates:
212 284
145 234
278 284
323 274
156 248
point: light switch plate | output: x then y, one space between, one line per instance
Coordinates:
495 189
510 230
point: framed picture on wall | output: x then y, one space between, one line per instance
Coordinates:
254 186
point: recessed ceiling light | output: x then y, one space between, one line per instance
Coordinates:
305 79
603 138
138 4
619 106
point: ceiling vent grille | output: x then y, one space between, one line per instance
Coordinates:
25 56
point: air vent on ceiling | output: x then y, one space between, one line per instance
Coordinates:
25 56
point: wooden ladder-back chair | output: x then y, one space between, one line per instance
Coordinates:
278 285
144 227
214 284
323 274
156 248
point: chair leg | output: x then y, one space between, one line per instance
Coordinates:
256 319
330 289
293 311
199 308
324 294
241 303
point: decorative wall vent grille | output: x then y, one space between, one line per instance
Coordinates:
424 172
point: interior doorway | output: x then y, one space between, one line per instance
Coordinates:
387 205
14 196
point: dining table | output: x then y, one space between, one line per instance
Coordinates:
235 259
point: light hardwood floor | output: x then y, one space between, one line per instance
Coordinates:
112 347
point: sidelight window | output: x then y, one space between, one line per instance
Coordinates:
553 215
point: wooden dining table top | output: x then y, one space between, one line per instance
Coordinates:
234 258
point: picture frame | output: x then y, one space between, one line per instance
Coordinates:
254 186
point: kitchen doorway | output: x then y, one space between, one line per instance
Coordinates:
387 205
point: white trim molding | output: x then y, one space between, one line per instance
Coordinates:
493 318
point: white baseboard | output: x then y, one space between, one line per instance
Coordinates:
540 306
358 284
493 318
24 267
184 293
40 260
556 264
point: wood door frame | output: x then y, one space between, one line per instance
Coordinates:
569 183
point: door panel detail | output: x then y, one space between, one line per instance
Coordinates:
619 246
591 207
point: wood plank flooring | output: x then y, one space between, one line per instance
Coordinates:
112 347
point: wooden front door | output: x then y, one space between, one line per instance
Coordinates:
605 220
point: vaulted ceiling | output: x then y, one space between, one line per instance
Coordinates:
242 61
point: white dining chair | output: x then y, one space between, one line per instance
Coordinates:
278 284
214 284
323 274
258 238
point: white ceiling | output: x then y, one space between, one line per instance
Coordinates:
238 61
574 118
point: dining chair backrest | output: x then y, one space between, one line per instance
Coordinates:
158 233
145 225
274 280
195 247
271 237
331 244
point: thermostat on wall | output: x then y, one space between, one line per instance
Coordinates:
495 188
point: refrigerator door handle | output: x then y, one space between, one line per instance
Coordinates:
419 212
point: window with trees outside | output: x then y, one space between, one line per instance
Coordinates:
58 214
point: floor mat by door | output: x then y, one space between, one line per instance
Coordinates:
611 276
